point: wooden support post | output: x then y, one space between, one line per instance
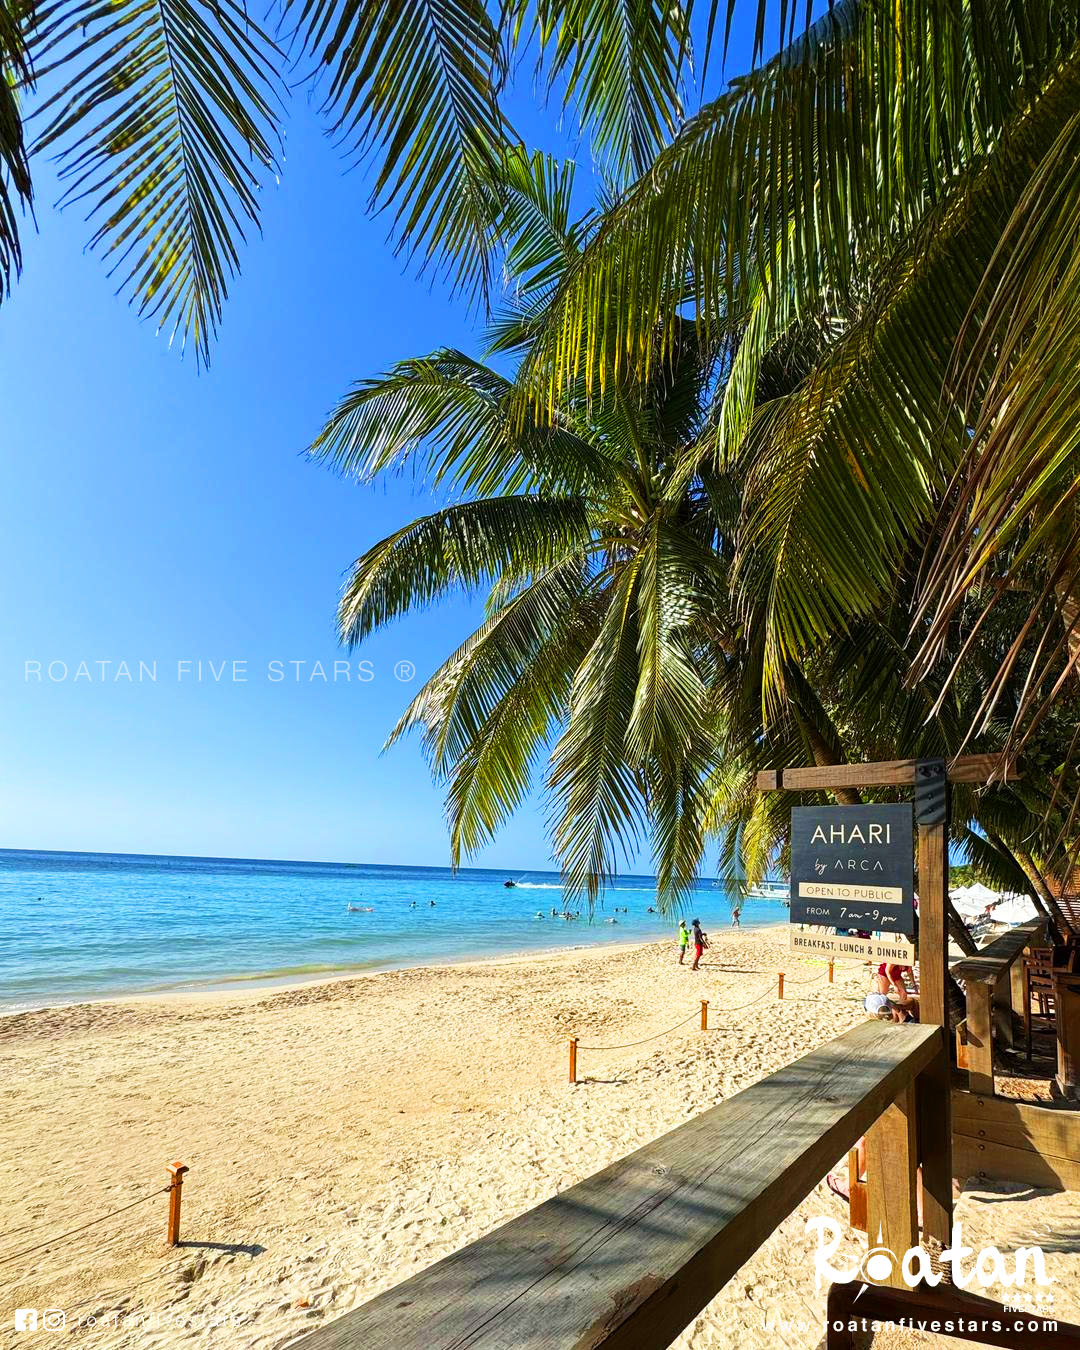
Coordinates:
980 1038
573 1059
704 1014
891 1180
933 1088
1016 989
1002 1011
176 1172
831 972
933 932
961 1045
1067 1012
780 986
856 1191
933 1104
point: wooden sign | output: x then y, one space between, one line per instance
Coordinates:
854 867
820 942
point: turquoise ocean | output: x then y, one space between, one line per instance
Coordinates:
82 926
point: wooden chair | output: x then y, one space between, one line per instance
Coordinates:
1038 971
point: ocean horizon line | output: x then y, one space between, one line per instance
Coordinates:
517 870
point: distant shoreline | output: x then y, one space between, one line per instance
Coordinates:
257 986
87 927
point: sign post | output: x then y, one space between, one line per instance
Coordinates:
855 880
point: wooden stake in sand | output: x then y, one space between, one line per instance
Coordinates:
704 1014
780 986
176 1172
573 1059
830 972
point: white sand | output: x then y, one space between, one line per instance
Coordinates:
343 1136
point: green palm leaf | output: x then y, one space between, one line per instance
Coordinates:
165 122
803 168
461 547
597 803
412 83
461 414
621 62
1016 506
15 186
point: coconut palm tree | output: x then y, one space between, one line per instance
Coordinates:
605 581
912 175
616 650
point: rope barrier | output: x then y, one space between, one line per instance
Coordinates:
765 994
73 1232
630 1045
810 980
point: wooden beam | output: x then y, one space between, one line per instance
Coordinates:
1016 990
1038 1129
987 1158
891 1180
933 930
1014 1141
980 1038
882 773
629 1257
856 1192
933 1103
1067 1016
995 959
1001 1008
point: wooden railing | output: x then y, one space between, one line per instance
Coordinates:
993 990
631 1255
994 1137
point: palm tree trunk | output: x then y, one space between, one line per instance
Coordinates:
958 930
1041 895
824 754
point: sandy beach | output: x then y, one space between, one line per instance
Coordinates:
341 1136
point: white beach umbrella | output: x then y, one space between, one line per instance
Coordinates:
1015 909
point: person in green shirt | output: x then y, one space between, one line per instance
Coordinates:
683 936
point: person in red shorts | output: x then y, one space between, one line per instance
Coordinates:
895 979
701 941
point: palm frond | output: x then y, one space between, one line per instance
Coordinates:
598 806
460 547
1015 503
165 118
460 414
621 61
412 84
802 168
15 186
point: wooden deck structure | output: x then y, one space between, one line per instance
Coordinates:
993 995
630 1256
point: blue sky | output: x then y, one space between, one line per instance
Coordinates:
155 513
